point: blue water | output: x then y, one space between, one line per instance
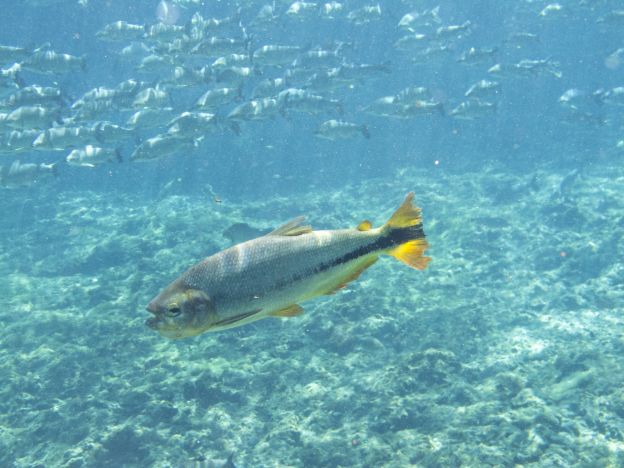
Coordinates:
505 351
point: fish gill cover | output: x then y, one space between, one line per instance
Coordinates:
137 138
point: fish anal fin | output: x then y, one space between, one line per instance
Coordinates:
293 227
350 275
290 311
365 225
411 253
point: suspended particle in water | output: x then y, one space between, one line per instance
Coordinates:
167 12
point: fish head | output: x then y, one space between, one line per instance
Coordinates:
181 312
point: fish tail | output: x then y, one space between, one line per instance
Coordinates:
404 231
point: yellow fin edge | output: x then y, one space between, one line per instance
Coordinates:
365 225
290 311
411 253
406 215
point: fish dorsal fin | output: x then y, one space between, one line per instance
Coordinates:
292 228
365 225
289 311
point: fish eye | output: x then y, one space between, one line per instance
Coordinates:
173 310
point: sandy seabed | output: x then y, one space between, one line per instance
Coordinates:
508 350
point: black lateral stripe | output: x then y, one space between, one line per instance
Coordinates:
394 238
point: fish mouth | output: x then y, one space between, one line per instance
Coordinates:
152 322
159 325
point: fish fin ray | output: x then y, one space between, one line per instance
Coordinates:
365 225
405 230
411 253
352 274
407 215
289 311
294 227
237 318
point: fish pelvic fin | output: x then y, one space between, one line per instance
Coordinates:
405 229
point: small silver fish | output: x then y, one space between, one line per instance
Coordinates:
300 100
161 146
52 62
275 55
341 130
152 97
150 118
120 31
34 95
477 56
23 175
365 15
28 117
302 10
193 124
214 98
91 156
256 109
60 138
472 109
484 89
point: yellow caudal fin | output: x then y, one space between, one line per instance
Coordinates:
411 253
406 236
406 215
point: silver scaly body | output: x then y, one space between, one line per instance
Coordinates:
272 272
271 275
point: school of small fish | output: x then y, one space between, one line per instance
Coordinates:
194 76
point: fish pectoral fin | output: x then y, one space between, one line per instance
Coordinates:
290 311
294 227
237 318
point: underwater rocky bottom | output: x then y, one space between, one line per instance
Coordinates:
507 350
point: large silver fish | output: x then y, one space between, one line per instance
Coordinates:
271 275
